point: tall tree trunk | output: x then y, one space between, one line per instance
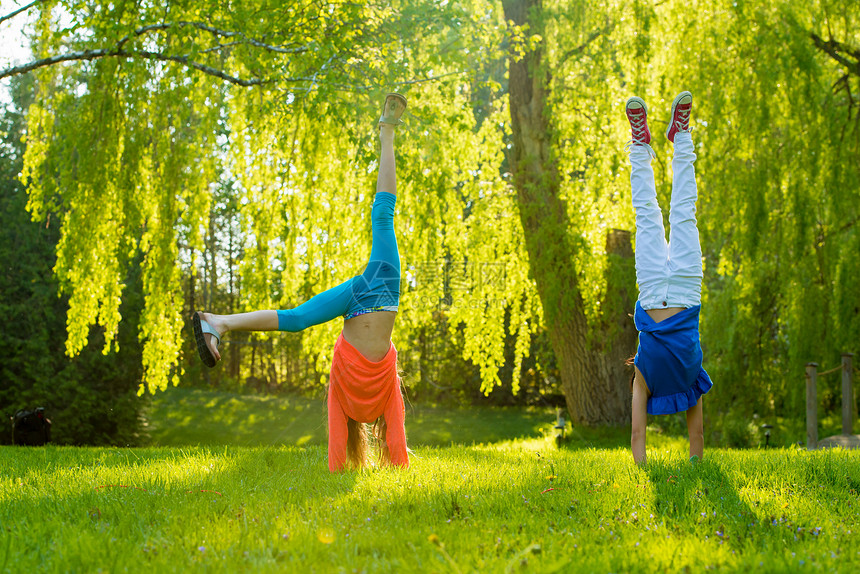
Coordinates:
594 378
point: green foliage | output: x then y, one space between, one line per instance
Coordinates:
778 180
488 508
90 399
299 152
136 155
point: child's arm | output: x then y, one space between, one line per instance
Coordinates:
640 415
695 428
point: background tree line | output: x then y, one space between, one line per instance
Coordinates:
226 153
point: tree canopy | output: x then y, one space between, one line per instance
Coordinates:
149 115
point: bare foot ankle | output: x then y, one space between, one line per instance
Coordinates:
217 323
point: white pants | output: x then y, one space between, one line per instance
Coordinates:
669 275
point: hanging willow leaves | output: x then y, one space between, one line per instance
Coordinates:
156 89
124 142
778 145
152 106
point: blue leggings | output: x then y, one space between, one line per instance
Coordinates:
377 286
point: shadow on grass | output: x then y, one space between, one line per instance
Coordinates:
116 483
702 493
181 417
439 426
195 417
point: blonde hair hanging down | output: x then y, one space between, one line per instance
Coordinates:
358 441
356 444
380 427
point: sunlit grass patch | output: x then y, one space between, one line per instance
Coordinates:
491 507
179 417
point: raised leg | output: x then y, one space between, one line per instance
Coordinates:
384 246
685 251
319 309
386 179
253 321
651 247
382 274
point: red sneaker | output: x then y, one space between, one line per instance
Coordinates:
682 106
637 114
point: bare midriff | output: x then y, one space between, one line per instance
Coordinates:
370 333
662 314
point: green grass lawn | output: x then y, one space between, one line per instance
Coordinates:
518 505
190 417
193 417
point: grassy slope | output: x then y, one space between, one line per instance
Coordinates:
182 417
515 505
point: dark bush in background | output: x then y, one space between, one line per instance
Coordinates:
92 398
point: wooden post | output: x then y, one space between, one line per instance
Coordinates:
811 407
848 408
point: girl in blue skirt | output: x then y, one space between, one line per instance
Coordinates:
668 374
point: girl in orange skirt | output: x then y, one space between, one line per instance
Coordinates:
364 386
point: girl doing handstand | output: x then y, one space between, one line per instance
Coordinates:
364 386
668 374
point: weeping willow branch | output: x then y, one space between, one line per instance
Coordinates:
215 31
838 51
119 50
18 11
220 47
607 28
86 55
430 79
